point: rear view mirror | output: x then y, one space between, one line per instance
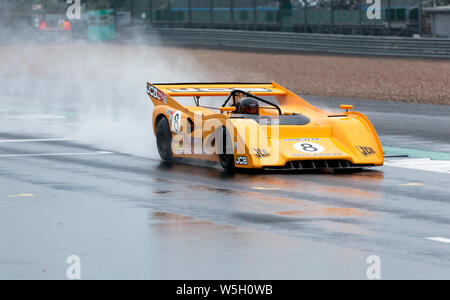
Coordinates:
228 109
346 107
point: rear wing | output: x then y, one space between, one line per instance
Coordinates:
211 89
166 93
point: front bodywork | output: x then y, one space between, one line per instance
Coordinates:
303 137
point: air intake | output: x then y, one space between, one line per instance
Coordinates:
318 164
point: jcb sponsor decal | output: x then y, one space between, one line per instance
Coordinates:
157 94
366 151
241 161
259 153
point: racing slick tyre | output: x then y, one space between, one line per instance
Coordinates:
226 160
164 140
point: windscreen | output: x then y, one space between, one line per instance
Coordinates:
216 103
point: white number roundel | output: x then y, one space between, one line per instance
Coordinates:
308 147
176 122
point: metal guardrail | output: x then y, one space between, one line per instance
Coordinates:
325 43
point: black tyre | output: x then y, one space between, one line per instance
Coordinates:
226 159
164 140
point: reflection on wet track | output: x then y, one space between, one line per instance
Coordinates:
132 217
202 208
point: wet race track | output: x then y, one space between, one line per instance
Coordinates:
129 216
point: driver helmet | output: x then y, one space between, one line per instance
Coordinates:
249 106
238 96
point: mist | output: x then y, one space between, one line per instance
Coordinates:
92 92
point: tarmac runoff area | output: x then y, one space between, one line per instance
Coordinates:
128 216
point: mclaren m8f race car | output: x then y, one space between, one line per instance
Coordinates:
258 126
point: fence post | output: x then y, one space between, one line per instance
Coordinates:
306 15
389 16
254 13
360 19
332 16
211 12
420 18
190 12
232 11
280 17
169 12
150 13
132 11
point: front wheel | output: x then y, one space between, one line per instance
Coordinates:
226 156
164 140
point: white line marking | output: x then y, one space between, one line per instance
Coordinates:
425 164
439 239
56 154
20 196
36 140
265 188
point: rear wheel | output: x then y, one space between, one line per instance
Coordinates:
226 156
164 140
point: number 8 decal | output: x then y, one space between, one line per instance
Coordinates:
308 147
176 122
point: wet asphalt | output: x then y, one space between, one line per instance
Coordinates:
133 217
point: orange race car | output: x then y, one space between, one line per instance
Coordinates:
258 126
